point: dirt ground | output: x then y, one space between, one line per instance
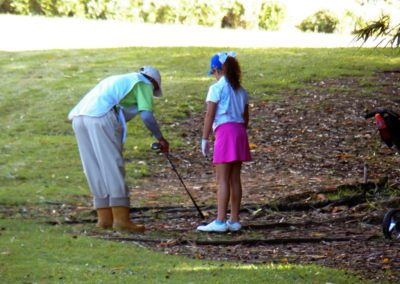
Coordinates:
309 151
303 148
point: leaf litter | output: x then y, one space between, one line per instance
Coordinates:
306 198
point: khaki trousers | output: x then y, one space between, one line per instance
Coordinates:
100 149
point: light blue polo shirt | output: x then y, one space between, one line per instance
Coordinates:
230 103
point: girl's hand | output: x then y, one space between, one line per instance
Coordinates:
205 147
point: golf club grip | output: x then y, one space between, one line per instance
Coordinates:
155 146
370 114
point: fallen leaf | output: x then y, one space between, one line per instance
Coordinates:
252 146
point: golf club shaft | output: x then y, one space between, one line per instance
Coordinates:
184 186
156 146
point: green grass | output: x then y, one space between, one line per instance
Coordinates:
39 88
40 161
37 253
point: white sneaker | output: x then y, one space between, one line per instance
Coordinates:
213 227
233 226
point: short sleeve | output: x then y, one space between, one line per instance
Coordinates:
213 95
144 96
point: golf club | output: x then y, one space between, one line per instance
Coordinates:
156 146
391 224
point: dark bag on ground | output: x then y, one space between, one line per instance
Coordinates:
388 123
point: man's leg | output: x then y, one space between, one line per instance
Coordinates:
107 144
91 169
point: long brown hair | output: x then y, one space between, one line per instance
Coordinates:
232 72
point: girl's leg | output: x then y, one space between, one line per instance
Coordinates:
236 190
223 174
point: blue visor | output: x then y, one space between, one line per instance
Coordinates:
215 64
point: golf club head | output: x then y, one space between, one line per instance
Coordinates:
391 224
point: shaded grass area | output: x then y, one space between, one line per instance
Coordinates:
40 157
56 255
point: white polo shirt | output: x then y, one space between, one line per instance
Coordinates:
230 102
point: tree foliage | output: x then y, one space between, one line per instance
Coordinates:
322 21
383 27
271 15
233 16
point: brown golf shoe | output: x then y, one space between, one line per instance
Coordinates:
104 218
122 221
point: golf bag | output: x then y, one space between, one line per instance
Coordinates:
388 123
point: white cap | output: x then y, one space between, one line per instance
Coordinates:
154 74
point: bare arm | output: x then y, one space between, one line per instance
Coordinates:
209 119
246 116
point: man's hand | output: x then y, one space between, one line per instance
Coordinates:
205 147
164 145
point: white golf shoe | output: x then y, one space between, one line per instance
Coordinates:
233 226
214 226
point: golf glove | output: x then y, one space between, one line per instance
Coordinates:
205 147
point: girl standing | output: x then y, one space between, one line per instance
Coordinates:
228 116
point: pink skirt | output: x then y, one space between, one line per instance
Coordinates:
231 143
